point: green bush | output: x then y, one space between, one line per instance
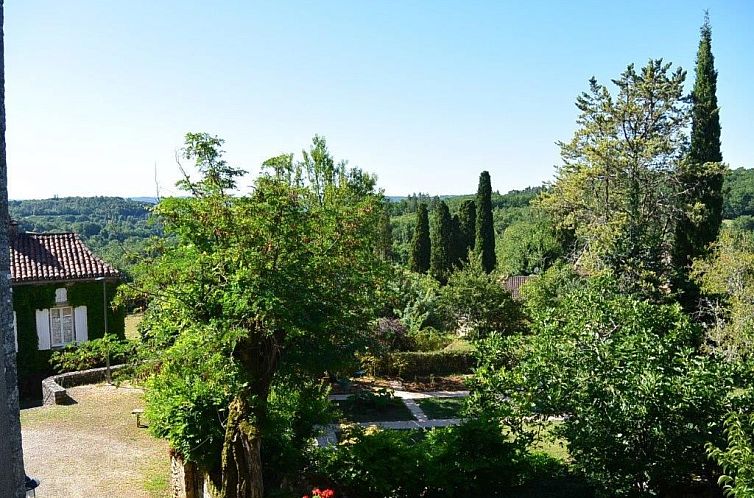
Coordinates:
420 363
93 354
473 459
640 398
429 339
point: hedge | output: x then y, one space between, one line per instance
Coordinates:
420 363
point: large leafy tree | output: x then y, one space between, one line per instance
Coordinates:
701 177
639 399
528 247
420 247
256 289
441 236
485 230
726 277
616 190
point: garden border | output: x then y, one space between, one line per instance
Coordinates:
54 387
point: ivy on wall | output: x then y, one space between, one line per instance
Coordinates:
29 298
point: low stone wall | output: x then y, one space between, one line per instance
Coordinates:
187 481
54 388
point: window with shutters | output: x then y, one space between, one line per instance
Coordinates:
62 331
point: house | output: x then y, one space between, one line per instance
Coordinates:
61 291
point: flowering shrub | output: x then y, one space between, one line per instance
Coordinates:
321 493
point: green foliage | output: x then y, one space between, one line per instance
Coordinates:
466 228
485 231
726 276
546 290
701 178
640 401
254 293
616 190
739 193
441 242
415 299
93 354
296 408
473 459
409 364
528 247
476 303
705 114
420 251
737 457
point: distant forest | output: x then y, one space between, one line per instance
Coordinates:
113 227
116 228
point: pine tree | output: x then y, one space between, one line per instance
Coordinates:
701 177
420 248
467 222
441 235
485 231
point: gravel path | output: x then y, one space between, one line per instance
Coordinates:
93 448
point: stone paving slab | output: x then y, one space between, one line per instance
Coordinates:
415 410
411 395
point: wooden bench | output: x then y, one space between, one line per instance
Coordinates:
138 412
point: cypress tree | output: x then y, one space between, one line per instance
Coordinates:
705 127
701 182
485 231
441 236
457 241
467 222
419 261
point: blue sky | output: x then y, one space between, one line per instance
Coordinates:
426 94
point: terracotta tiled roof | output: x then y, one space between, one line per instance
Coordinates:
513 284
37 257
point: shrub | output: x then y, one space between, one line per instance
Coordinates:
640 399
473 459
429 339
418 363
93 354
476 303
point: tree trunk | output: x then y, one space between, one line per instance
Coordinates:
242 458
242 449
11 452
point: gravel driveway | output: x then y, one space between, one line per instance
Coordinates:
93 448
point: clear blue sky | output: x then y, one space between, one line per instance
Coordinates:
426 94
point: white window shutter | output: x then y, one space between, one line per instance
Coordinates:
43 329
79 316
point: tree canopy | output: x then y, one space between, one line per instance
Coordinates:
255 289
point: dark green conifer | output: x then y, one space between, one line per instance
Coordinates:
467 226
701 177
441 235
485 231
420 248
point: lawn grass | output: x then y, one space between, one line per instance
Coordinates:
550 444
132 325
393 410
441 408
